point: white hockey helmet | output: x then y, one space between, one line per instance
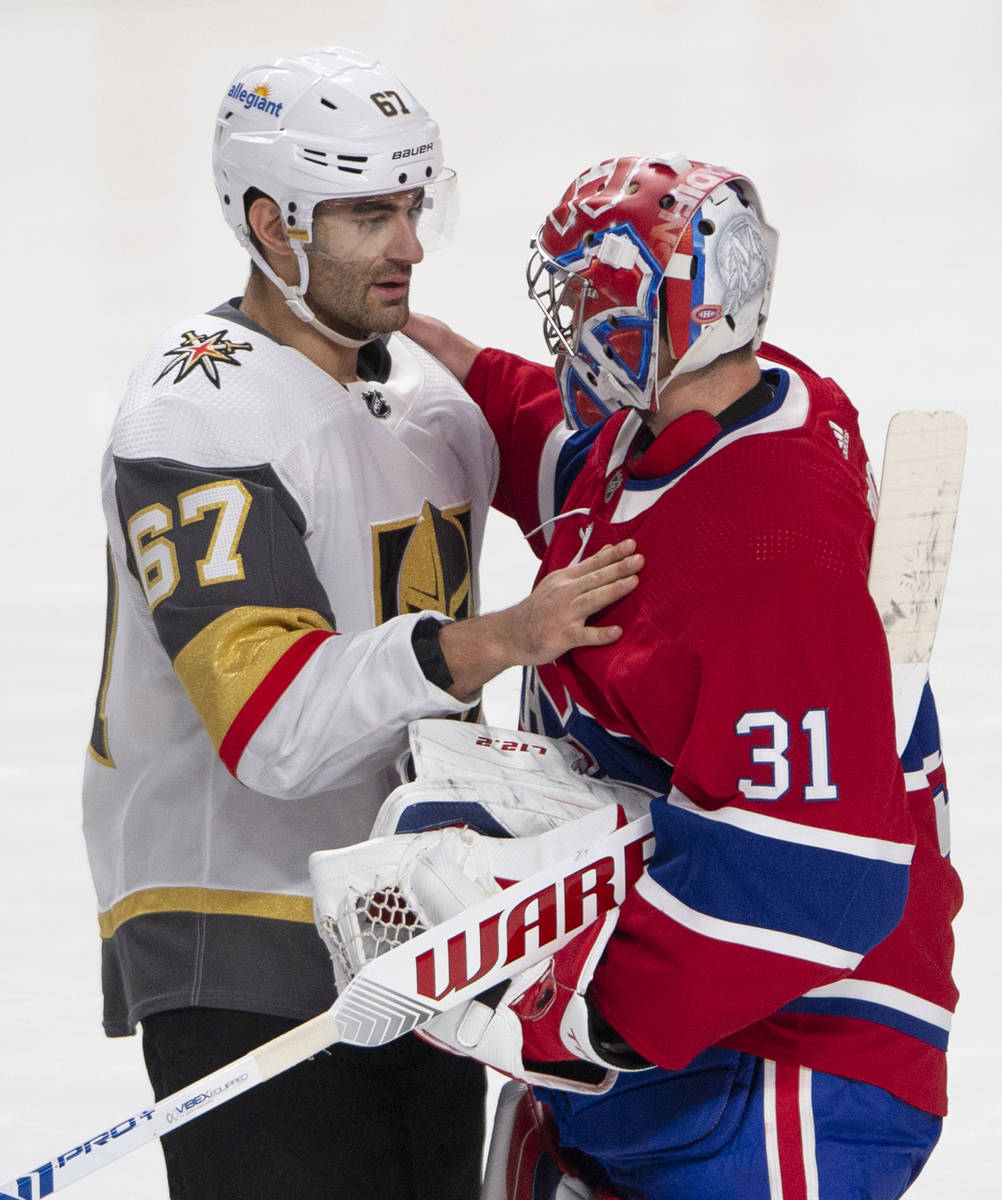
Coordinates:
325 125
643 247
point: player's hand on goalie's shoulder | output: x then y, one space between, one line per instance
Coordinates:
440 340
554 618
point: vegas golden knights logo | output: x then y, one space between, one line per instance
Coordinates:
423 563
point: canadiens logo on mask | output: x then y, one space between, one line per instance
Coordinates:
202 350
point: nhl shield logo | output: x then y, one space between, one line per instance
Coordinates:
376 404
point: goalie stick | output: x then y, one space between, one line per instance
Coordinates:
912 541
533 918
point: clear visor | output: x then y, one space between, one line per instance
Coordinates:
561 296
386 225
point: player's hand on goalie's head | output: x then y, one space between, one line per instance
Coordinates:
450 348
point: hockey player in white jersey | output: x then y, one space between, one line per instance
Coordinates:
295 497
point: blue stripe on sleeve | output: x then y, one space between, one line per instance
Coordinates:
620 756
615 755
924 739
734 875
570 460
879 1014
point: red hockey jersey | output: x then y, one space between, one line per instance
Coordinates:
800 898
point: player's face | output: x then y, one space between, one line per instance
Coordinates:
361 257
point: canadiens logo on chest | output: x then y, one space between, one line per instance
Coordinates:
423 563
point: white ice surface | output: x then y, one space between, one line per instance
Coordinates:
872 129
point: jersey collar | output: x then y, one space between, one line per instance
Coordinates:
687 436
693 442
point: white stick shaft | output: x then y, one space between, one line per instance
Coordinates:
174 1110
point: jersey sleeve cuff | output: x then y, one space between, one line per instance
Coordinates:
428 652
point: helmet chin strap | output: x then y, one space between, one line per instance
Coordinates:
303 311
296 300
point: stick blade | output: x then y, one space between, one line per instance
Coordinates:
916 515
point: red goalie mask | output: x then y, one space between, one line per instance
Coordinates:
639 246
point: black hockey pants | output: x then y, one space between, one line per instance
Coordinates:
400 1122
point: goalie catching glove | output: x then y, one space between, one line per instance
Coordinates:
538 1026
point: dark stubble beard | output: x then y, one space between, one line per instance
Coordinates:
339 295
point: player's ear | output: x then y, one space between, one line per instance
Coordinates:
265 220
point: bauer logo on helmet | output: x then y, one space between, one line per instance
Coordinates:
414 150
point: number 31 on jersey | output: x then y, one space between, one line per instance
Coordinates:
772 779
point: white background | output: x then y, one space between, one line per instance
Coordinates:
873 132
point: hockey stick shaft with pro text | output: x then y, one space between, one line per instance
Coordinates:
446 965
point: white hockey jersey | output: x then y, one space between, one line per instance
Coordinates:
274 538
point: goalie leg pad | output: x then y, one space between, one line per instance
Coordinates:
525 1161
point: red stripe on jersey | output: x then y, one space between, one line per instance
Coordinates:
266 695
507 387
864 1050
789 1134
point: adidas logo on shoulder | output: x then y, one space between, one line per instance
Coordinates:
842 437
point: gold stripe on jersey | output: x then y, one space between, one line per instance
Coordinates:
211 901
223 664
99 747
